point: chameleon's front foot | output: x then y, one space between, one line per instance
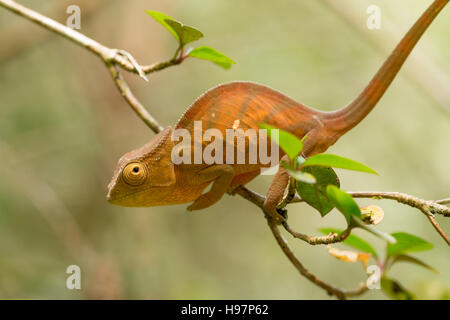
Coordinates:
221 175
202 202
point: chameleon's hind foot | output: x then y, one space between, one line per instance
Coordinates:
282 212
278 216
275 196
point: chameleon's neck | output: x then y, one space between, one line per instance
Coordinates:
348 117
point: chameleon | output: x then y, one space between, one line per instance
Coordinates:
148 177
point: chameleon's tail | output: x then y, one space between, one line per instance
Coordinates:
348 117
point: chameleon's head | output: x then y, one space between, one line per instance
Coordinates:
145 176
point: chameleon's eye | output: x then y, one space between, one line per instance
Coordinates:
135 174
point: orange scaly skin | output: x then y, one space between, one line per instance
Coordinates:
147 176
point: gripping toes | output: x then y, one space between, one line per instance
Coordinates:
276 193
204 201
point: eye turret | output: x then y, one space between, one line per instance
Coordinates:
135 174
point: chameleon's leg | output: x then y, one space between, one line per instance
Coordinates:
221 175
276 193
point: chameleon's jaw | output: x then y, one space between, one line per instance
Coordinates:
142 197
112 198
114 195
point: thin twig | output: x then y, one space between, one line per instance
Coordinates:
132 100
427 207
312 240
332 290
135 64
443 201
258 200
438 228
18 37
105 53
251 196
109 56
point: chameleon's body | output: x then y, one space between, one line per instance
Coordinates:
220 108
147 176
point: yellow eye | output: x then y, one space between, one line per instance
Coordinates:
135 174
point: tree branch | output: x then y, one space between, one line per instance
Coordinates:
443 201
105 53
329 239
111 57
339 293
19 37
258 200
129 97
427 207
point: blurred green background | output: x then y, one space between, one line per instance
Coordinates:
63 126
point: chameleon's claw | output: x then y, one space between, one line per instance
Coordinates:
277 216
282 212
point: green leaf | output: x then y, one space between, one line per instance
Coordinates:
161 18
186 34
176 26
353 241
290 144
316 195
183 34
410 259
210 54
191 34
343 202
299 175
407 243
395 290
331 160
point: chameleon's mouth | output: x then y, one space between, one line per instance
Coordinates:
115 197
112 198
117 200
123 199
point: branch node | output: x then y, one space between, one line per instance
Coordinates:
132 60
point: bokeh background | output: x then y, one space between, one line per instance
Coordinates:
63 126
